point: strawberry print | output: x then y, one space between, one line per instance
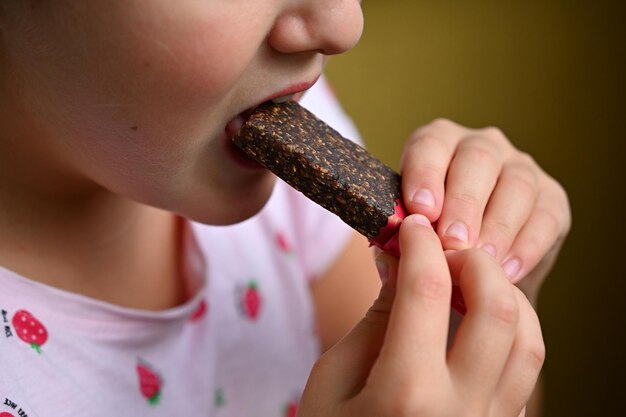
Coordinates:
283 244
149 382
218 398
199 312
29 329
250 300
291 409
5 414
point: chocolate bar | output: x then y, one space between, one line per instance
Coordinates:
329 169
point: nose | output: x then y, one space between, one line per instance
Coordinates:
329 27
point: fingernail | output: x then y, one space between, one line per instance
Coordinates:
383 270
512 267
458 230
490 249
421 219
424 197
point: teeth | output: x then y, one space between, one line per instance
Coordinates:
282 99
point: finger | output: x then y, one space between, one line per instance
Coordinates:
524 364
472 177
415 343
424 167
343 369
508 209
541 232
484 338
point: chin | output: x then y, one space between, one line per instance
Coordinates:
233 208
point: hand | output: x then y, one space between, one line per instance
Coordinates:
484 193
395 362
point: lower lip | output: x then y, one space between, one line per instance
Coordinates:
240 157
231 130
233 151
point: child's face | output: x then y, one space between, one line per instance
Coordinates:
138 93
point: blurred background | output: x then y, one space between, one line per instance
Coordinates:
551 75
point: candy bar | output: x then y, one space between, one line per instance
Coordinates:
329 169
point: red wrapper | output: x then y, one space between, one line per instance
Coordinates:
387 240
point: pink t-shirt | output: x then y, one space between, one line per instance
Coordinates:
242 345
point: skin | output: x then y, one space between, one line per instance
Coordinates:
121 118
113 118
392 364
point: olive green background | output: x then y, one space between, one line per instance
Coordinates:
550 74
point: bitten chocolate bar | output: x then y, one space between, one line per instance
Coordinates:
329 169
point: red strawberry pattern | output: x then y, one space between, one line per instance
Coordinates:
291 409
149 382
283 244
199 312
5 414
218 398
250 300
30 330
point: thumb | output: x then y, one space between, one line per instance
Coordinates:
343 370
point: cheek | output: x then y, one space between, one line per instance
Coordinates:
136 99
194 57
155 63
151 92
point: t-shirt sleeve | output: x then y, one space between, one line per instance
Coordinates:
321 235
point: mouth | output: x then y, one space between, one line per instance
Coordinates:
233 126
239 156
294 92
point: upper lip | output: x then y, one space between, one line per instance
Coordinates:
293 89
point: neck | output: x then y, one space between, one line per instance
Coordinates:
109 249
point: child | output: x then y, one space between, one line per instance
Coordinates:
138 279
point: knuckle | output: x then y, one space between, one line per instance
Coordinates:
536 355
531 343
533 353
524 182
430 286
482 154
400 403
551 221
496 135
527 159
493 132
442 122
503 308
499 227
425 138
428 141
465 199
533 250
427 171
537 244
560 191
406 402
481 259
563 202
